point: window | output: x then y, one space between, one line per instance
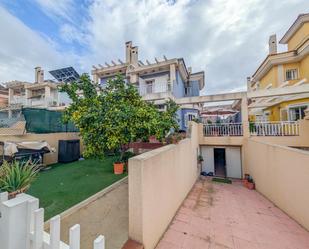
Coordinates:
190 117
187 91
291 74
297 112
149 86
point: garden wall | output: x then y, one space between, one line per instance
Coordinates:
159 181
51 138
281 174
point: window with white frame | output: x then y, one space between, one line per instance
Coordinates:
190 117
297 112
291 74
149 86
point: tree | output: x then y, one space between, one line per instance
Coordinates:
112 117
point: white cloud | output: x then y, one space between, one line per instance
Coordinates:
58 8
22 49
226 38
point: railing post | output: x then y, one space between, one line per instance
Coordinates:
99 243
14 222
38 228
55 232
75 237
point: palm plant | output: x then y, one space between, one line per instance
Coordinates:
16 176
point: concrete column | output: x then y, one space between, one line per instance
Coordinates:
95 79
28 95
172 74
133 78
11 96
245 116
47 95
248 84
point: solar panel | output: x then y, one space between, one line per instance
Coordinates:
66 74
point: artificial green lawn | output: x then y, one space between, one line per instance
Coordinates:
65 185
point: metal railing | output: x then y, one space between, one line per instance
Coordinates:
154 88
220 130
279 128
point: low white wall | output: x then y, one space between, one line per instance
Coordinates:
281 174
159 181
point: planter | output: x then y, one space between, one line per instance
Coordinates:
245 182
118 168
250 185
13 194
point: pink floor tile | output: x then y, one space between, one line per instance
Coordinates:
225 216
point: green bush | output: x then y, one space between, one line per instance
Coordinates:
16 176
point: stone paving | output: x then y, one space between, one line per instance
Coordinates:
218 215
108 215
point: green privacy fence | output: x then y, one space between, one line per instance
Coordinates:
46 121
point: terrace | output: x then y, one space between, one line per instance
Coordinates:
166 182
218 215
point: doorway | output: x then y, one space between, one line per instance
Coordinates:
220 162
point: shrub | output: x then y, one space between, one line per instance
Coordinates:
16 176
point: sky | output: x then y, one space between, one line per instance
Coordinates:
228 39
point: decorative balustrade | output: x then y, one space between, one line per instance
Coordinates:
280 128
220 130
22 226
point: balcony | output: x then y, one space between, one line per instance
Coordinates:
154 88
17 100
222 130
280 128
156 91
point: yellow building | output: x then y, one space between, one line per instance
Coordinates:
290 68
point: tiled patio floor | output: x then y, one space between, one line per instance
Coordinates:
218 215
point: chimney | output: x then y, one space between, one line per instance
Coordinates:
134 56
39 75
272 43
189 70
128 51
248 84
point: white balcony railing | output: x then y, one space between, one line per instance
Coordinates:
280 128
18 100
220 130
154 88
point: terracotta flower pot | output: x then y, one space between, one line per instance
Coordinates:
118 168
250 185
13 194
245 182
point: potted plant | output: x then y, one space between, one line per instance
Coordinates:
126 157
200 158
250 183
16 177
245 180
118 167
